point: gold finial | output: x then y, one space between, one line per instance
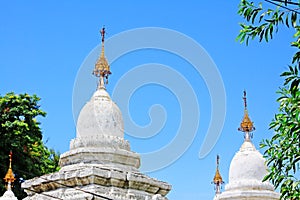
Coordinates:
9 177
102 68
246 125
218 181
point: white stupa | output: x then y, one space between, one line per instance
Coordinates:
247 170
9 180
99 164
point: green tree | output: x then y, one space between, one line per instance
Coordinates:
283 149
20 133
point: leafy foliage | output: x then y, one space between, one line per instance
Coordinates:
20 133
283 149
263 22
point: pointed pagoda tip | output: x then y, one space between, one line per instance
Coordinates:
10 158
9 177
246 125
102 68
218 180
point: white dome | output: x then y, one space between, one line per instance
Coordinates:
247 164
100 116
247 170
8 195
100 137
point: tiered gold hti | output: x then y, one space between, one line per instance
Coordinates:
246 125
218 181
102 68
9 177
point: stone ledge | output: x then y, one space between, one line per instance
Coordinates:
95 192
98 176
249 195
249 185
107 156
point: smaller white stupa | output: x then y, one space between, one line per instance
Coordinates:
9 180
247 170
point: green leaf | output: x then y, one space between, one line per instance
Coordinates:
282 150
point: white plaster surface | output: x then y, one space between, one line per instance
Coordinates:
81 180
247 170
99 163
100 116
8 195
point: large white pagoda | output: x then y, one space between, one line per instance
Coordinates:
99 164
247 170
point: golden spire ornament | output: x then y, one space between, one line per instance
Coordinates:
9 177
246 125
218 181
102 68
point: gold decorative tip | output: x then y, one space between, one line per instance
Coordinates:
9 177
246 124
218 181
102 68
218 178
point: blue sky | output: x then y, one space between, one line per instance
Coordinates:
43 46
